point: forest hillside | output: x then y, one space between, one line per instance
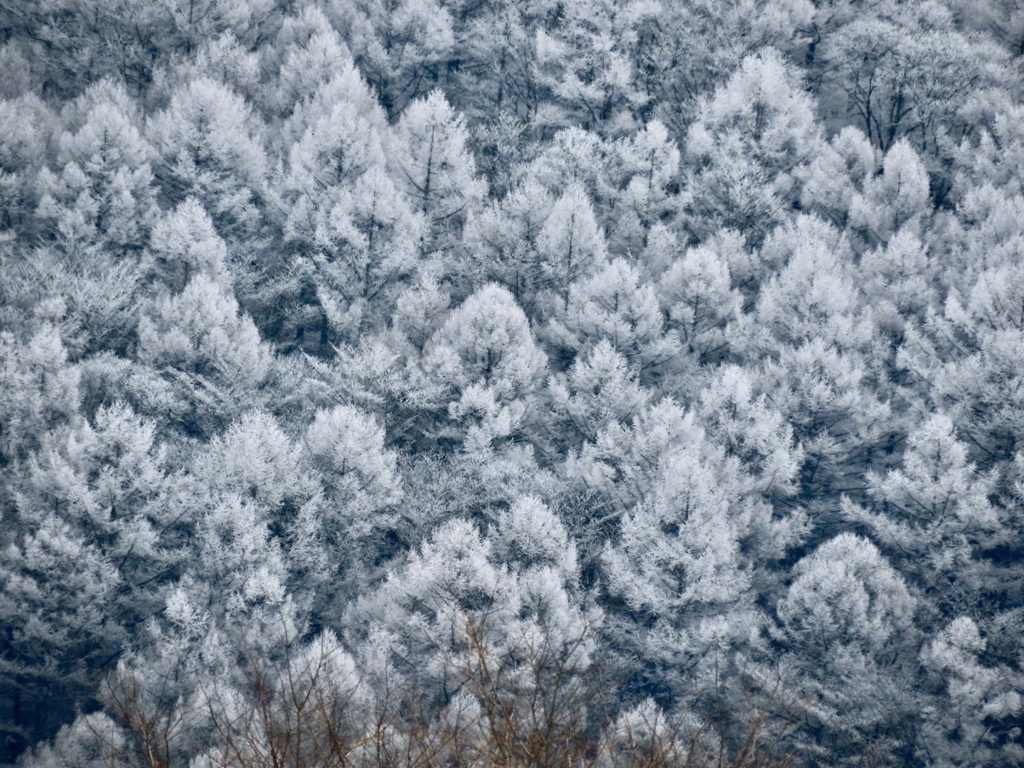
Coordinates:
550 383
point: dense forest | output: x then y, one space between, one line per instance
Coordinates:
551 383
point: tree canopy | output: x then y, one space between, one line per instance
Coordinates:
576 383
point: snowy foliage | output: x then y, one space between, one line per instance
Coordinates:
612 383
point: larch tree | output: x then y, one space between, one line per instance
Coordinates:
91 549
599 388
697 295
210 146
648 168
902 280
895 199
753 429
498 619
746 146
994 156
402 46
577 158
934 516
684 52
184 25
207 354
617 306
56 588
812 296
432 164
501 241
964 351
44 387
307 53
501 80
359 522
583 60
98 202
835 176
846 630
980 701
680 563
618 469
355 232
481 367
101 195
571 245
26 122
184 244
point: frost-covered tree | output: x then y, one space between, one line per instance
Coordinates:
618 467
680 563
845 626
89 548
481 366
935 517
26 122
616 306
496 618
584 61
746 146
205 358
979 701
902 280
833 177
59 632
402 46
307 54
896 198
571 245
101 192
696 293
684 51
501 242
432 164
961 357
339 133
184 244
358 522
903 71
648 173
753 429
813 296
210 146
501 78
44 392
843 426
599 388
356 233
